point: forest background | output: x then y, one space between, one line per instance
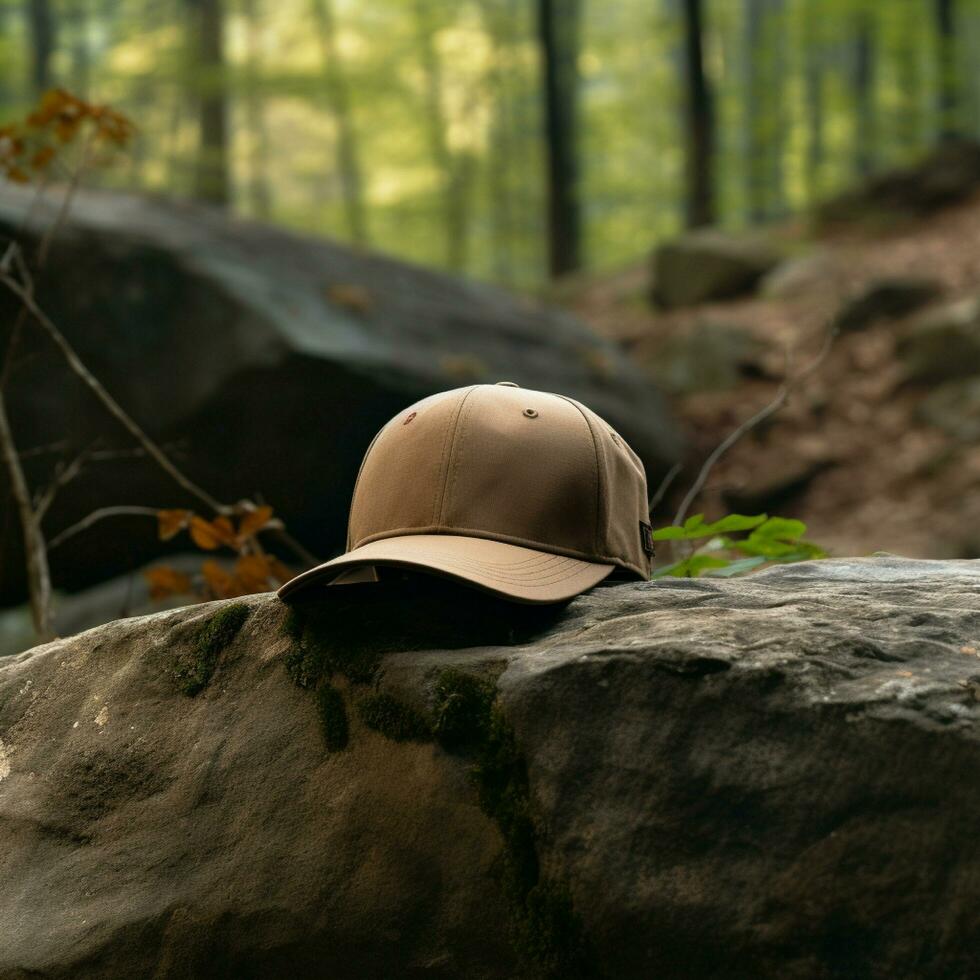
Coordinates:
508 140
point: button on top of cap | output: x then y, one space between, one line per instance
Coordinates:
508 384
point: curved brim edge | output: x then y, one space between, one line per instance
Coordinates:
511 571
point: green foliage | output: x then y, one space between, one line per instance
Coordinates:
695 527
771 539
193 671
790 128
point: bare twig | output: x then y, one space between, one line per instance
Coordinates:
294 546
664 487
780 399
122 510
63 476
24 291
38 573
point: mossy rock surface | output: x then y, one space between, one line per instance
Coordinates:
762 777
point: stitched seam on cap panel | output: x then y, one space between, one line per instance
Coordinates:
557 574
598 472
450 441
441 562
475 532
496 568
538 559
460 421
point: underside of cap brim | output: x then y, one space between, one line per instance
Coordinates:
508 570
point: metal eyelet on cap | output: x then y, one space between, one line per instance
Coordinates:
408 418
530 413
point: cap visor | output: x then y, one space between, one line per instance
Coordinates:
507 570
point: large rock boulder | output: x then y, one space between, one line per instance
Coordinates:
943 343
950 173
265 361
772 776
708 264
886 299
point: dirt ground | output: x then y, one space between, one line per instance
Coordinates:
847 454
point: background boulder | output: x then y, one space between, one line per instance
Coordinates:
708 264
266 361
771 776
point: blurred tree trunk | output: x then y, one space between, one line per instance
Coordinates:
864 69
338 94
42 29
259 195
949 94
755 108
909 122
456 168
206 27
80 56
777 122
499 17
699 121
559 24
813 86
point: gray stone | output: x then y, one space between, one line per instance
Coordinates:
949 173
942 344
955 408
267 361
886 299
703 357
771 777
708 264
799 274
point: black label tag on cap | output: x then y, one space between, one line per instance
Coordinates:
646 538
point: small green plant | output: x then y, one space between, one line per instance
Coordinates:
770 539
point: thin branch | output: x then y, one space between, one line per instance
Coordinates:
38 573
664 487
24 292
63 476
294 546
777 403
122 510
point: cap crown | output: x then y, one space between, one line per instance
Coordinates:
507 463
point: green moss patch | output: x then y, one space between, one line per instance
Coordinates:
332 712
467 721
318 652
194 669
546 933
323 647
394 718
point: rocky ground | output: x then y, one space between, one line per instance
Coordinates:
771 776
880 448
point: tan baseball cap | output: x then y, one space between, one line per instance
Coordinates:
526 494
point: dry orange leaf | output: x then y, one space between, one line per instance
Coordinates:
351 297
42 158
222 584
165 581
254 521
171 522
280 571
253 573
210 535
